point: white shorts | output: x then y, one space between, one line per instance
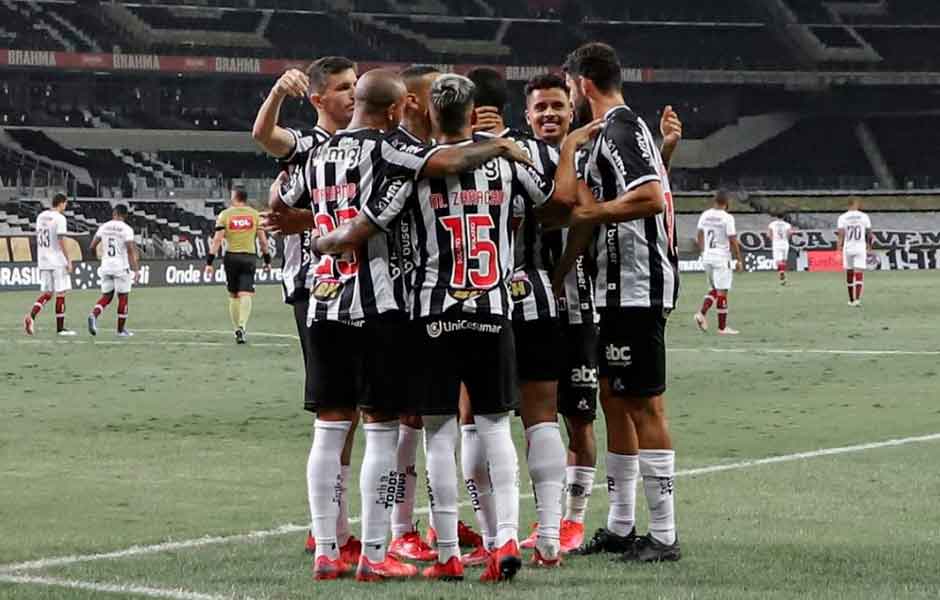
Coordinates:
55 280
781 253
719 275
111 282
856 261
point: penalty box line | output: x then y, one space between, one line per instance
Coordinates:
252 536
111 588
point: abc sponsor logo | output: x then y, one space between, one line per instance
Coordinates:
618 356
583 377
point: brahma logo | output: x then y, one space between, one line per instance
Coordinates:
242 223
327 289
464 295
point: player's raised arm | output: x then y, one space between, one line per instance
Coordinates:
566 175
276 140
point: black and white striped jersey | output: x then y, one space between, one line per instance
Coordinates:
577 305
463 229
296 272
339 177
637 262
533 263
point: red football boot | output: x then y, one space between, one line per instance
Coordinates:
539 561
311 546
325 568
467 537
572 535
430 538
503 564
529 542
411 547
350 551
477 558
452 570
390 568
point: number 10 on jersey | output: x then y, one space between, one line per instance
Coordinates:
467 243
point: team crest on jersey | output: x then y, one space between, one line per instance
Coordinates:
328 289
465 295
520 288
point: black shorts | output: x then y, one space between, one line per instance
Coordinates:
577 384
303 332
538 349
477 350
240 272
633 350
359 364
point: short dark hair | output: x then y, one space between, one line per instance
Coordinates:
320 69
59 198
241 194
599 63
491 87
545 81
416 71
120 210
723 197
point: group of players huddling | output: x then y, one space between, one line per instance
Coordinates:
445 271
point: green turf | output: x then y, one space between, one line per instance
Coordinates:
176 435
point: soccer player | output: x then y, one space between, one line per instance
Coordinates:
239 226
120 264
462 303
854 240
717 238
550 114
358 310
780 232
536 329
328 85
54 265
627 197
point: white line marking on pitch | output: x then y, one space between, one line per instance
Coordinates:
92 586
810 351
45 563
140 343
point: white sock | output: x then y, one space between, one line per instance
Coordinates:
377 486
476 477
622 472
323 483
496 433
342 517
546 455
658 468
580 483
403 513
440 445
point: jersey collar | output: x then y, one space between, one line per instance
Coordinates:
610 112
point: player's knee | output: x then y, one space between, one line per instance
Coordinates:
646 410
413 421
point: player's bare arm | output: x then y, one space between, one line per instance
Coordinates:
65 253
347 237
276 140
700 241
489 119
870 241
288 221
736 249
95 242
670 126
840 238
134 258
566 176
455 160
215 246
265 249
643 201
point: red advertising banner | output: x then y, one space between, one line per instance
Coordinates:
829 261
240 66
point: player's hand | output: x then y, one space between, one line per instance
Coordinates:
135 275
292 83
69 268
515 152
583 135
739 267
208 273
287 221
558 283
670 126
488 119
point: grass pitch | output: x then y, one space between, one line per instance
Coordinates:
177 434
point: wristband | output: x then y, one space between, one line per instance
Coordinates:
266 258
210 259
